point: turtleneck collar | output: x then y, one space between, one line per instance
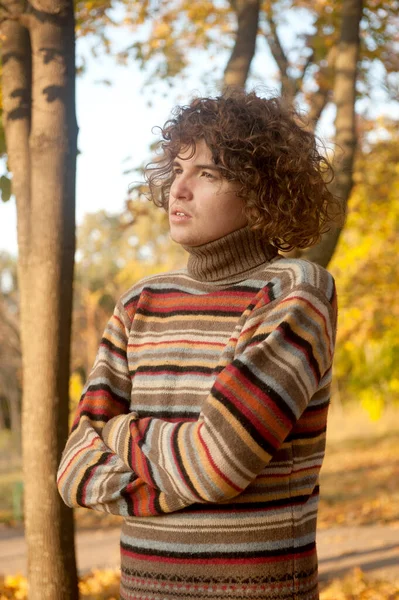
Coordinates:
228 257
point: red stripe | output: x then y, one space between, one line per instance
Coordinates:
222 294
74 457
217 561
172 445
215 468
92 475
194 308
247 412
119 321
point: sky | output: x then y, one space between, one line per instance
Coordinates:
115 123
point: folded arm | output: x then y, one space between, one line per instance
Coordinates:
90 474
254 404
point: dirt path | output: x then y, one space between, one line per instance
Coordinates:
375 549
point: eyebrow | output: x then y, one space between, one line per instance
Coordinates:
210 167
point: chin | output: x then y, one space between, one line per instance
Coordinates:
197 238
183 237
184 240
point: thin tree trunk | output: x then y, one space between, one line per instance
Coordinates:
16 88
319 99
44 185
345 124
4 411
15 413
237 69
289 85
16 84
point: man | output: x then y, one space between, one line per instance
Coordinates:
203 420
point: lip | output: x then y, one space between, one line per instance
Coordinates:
177 209
173 218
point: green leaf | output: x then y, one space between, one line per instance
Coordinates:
5 188
3 149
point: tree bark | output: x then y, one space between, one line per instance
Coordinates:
237 69
345 122
41 136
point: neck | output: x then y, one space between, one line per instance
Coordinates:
229 257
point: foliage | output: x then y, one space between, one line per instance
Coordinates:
357 586
97 585
367 273
114 252
367 470
166 33
103 585
169 36
5 187
13 587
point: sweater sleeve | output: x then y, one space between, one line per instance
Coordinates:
283 356
89 473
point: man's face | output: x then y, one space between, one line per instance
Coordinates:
203 206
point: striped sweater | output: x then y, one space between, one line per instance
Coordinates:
203 423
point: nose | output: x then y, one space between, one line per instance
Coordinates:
181 188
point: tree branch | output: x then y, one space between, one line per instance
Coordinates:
319 100
306 66
289 85
237 69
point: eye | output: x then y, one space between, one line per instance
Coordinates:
177 171
207 175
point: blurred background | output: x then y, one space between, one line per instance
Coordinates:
337 61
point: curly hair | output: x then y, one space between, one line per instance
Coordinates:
265 147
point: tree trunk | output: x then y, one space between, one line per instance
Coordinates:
345 123
237 69
289 85
319 99
41 137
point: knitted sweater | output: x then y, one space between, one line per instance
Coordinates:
203 423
